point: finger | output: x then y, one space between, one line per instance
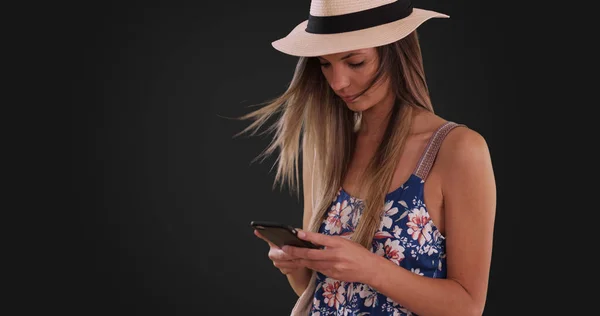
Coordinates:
317 265
287 271
278 254
287 264
318 238
308 253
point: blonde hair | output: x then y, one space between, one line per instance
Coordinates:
313 121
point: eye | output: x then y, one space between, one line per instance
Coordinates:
351 65
356 65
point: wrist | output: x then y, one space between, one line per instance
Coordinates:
377 270
299 279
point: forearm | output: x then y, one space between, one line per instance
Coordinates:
299 280
422 295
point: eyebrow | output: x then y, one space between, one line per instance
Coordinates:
345 57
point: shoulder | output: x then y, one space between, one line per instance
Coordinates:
463 144
464 155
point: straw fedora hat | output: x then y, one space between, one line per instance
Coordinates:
337 26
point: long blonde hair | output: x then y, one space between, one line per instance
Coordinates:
314 122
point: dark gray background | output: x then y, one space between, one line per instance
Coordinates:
164 194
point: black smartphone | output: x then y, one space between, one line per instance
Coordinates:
281 234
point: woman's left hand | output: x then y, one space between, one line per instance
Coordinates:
341 259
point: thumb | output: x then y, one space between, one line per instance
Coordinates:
317 238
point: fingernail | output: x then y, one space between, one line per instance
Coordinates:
301 234
285 248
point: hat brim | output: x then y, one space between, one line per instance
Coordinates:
300 43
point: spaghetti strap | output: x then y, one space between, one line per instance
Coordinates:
433 146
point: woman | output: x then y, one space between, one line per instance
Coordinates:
402 200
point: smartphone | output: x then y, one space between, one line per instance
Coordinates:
281 234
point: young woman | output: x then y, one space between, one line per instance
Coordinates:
402 200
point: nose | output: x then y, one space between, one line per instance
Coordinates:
338 80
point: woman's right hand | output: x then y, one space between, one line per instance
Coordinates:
281 260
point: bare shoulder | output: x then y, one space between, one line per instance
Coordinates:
465 164
463 146
466 172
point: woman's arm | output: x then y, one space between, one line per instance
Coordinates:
469 191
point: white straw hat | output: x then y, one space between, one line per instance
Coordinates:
337 26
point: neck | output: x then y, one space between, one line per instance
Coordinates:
374 120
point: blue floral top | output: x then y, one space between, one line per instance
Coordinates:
406 236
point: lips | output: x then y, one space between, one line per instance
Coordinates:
349 98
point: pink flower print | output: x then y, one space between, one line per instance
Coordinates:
369 296
347 213
437 236
403 203
398 310
397 231
333 293
316 303
334 217
419 226
430 250
416 271
402 311
354 214
347 235
391 250
337 194
382 235
386 217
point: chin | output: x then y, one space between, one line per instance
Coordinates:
359 105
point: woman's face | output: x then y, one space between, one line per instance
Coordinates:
349 73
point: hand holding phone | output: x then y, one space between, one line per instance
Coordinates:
281 234
277 235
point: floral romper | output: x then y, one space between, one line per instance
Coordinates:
406 236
